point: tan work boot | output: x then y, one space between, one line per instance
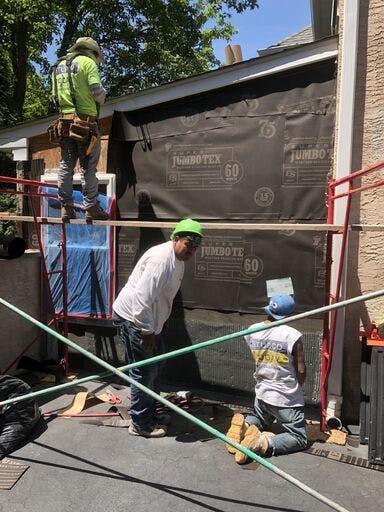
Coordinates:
254 440
67 213
156 431
96 213
236 431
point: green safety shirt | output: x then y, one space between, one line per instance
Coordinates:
84 72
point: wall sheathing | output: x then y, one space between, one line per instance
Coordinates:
41 148
256 152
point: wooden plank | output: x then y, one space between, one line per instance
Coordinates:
205 225
164 224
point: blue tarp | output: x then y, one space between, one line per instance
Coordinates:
88 259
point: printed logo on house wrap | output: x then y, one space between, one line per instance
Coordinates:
264 196
232 171
307 163
190 118
198 168
287 232
33 242
267 128
127 248
319 245
229 259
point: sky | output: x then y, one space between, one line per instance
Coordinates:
272 21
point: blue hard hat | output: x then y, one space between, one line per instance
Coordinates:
280 306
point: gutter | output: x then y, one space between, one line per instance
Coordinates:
12 137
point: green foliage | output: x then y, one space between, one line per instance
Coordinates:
151 43
146 43
26 30
7 201
5 87
7 204
37 97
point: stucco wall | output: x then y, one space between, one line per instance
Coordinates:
20 286
365 254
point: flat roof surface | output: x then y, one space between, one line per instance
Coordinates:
74 465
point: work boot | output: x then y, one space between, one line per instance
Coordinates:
156 431
236 431
67 212
96 213
255 441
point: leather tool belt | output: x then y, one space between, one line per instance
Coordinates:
59 130
79 127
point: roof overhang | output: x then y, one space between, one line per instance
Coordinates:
324 13
226 76
12 137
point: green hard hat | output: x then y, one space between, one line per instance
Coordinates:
187 226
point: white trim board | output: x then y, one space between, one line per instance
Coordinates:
107 179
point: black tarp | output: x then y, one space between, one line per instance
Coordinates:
257 151
230 269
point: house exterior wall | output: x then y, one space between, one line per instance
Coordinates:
365 259
41 148
365 255
23 292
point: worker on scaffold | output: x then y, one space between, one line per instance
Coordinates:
140 311
78 94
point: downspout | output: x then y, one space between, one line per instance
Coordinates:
343 160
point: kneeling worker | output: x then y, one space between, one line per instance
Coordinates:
279 375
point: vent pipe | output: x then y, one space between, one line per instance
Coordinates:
233 54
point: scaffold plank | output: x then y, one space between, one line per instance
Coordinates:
171 224
205 225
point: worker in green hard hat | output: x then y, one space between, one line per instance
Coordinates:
187 235
140 312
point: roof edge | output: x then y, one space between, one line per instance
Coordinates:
226 76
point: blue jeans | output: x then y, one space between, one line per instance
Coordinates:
294 437
71 150
142 405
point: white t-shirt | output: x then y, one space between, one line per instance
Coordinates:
147 298
275 375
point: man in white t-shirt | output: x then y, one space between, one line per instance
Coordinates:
279 377
140 311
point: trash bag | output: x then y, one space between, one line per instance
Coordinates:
16 419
